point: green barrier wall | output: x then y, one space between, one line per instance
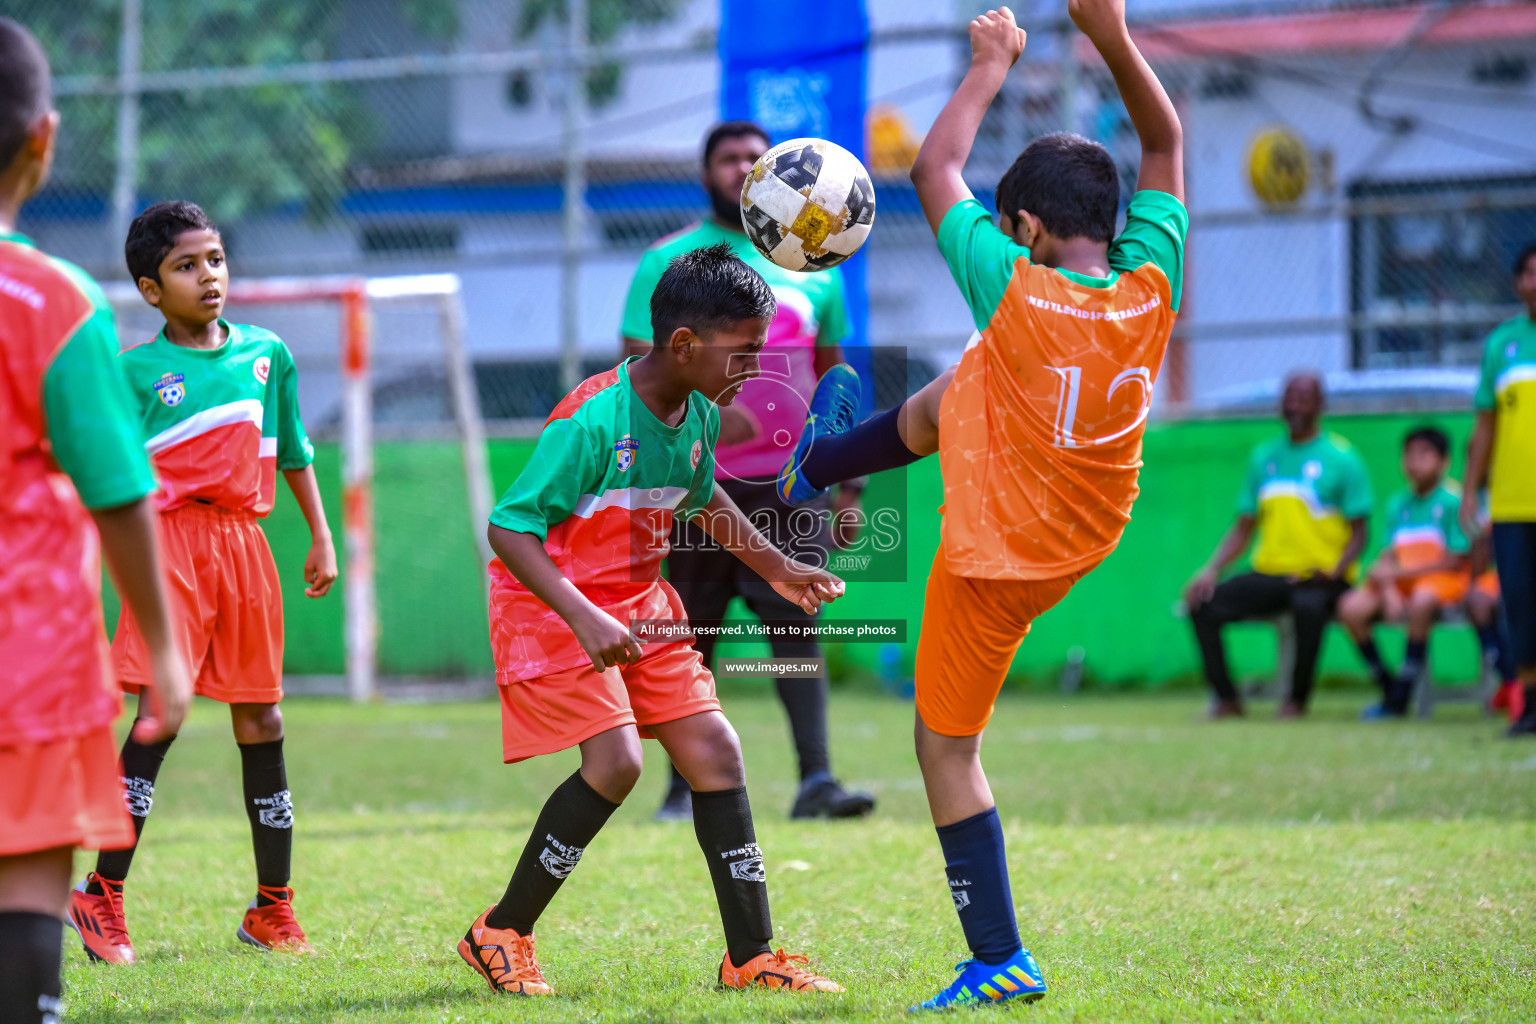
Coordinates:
431 593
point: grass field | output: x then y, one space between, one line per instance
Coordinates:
1164 870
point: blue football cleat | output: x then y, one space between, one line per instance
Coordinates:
834 410
1382 713
1018 977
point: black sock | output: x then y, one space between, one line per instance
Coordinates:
871 446
805 702
140 765
269 805
1413 660
571 818
978 883
1488 641
31 958
722 820
1372 658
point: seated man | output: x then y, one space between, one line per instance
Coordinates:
1422 570
1308 498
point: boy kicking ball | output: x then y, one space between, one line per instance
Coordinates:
1038 429
219 406
579 540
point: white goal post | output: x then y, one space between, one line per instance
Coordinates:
357 299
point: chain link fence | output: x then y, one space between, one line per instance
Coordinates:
1352 211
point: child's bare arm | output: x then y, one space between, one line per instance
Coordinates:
996 43
606 640
1150 109
320 564
805 585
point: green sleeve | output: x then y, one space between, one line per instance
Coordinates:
1356 500
1248 497
702 491
637 305
1485 399
293 448
1156 225
832 317
980 257
561 469
93 420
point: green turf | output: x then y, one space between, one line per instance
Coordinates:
1165 870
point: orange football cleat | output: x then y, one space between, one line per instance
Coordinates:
776 970
504 958
273 926
99 921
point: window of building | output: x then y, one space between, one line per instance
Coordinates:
1431 266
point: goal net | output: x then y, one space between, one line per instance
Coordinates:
388 395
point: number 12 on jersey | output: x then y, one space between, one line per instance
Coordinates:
1071 389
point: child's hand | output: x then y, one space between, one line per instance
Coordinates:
320 567
606 640
807 586
996 37
170 695
1097 19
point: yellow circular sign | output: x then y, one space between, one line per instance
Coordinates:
1278 166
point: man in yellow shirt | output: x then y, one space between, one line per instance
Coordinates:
1503 448
1308 498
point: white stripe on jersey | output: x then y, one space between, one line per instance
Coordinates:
630 498
247 410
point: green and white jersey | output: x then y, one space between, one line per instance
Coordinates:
220 422
1424 528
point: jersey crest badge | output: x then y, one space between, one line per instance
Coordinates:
171 389
1312 470
262 368
624 449
698 452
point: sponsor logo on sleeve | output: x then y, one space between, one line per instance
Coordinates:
171 388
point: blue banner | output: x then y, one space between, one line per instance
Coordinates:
798 68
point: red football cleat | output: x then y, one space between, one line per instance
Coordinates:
273 926
776 970
99 921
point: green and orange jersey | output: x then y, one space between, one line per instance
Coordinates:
1302 497
1423 530
1507 386
1040 433
600 490
69 440
219 423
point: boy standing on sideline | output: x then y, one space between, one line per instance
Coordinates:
1503 448
70 453
1422 571
219 406
579 540
1038 429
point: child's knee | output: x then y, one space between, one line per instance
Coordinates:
256 723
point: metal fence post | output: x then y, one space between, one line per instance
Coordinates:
574 156
125 180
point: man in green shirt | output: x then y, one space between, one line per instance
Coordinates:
1503 449
1308 499
758 431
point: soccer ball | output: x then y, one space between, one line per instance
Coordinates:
808 204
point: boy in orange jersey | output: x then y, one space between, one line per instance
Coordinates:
218 404
1038 429
70 452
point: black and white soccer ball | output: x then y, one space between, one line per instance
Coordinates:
808 204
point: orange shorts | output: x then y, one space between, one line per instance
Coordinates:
971 630
1487 584
226 607
560 710
1449 588
65 792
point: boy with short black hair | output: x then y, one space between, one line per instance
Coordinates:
70 453
1042 422
579 539
219 406
1422 570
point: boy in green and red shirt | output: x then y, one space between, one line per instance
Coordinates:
70 454
219 410
579 540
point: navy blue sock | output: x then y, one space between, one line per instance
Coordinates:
1413 660
871 446
978 883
